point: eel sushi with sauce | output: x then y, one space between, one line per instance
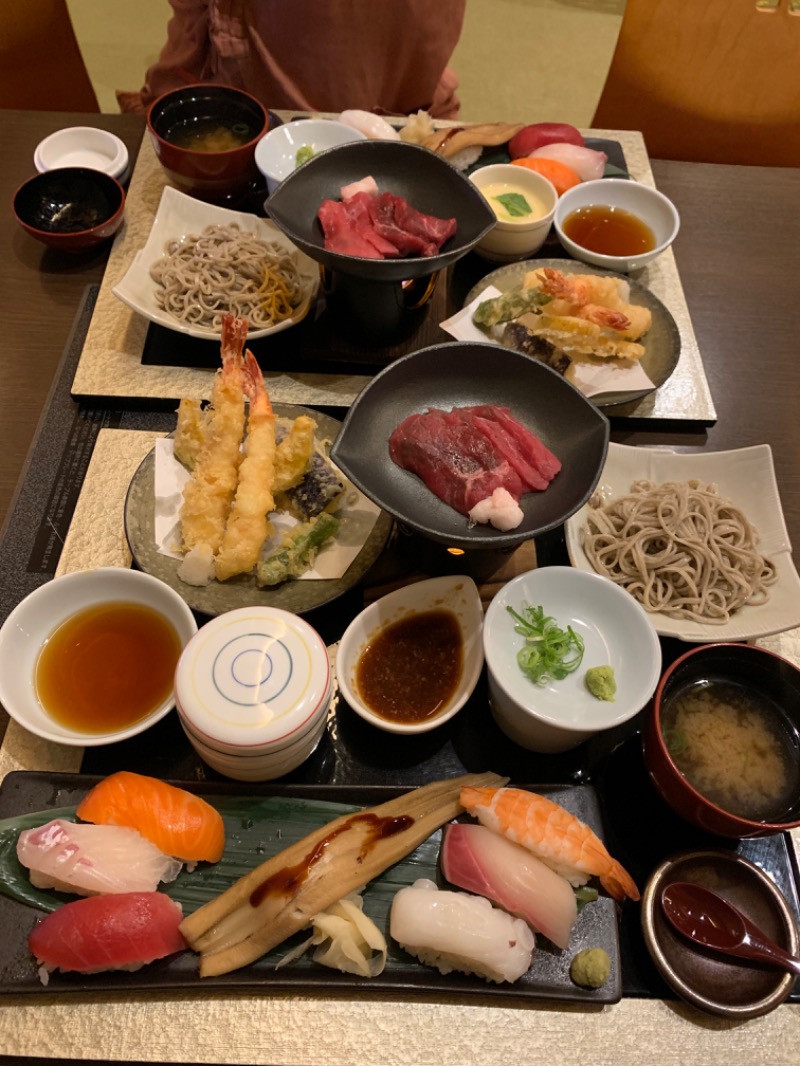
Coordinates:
487 864
120 932
457 931
282 895
89 860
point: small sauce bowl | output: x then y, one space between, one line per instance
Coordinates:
458 595
716 983
72 209
649 205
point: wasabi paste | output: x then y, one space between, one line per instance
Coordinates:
590 968
601 682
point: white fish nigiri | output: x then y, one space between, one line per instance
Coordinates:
587 163
456 931
483 862
372 126
90 860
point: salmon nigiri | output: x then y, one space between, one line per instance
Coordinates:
176 821
556 837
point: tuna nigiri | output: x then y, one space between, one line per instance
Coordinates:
483 862
456 931
176 821
555 836
107 933
92 859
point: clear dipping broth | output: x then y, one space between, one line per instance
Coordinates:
410 671
107 667
512 203
209 135
735 746
609 231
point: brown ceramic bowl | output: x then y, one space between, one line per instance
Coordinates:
753 670
182 120
73 209
719 984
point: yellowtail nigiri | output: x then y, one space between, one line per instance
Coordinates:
555 836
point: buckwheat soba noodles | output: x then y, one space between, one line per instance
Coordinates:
681 549
227 269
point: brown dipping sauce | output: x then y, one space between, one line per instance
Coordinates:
107 667
609 231
289 880
410 671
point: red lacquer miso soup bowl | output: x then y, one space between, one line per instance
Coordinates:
722 742
205 137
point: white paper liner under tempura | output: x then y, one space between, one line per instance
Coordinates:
357 513
591 380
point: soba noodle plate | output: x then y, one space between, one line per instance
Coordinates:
181 216
746 478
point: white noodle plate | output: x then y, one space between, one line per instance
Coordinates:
179 216
746 477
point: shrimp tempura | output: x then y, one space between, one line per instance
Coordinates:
248 526
207 497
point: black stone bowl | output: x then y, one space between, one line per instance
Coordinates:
462 374
425 179
73 209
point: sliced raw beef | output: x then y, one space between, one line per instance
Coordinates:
463 457
381 226
529 445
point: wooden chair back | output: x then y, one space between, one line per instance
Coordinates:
41 66
712 81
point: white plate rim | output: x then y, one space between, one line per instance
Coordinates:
746 476
179 215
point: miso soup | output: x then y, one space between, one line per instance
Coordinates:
210 135
735 746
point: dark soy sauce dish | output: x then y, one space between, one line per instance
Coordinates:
73 209
718 984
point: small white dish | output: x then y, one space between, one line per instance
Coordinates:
648 204
276 152
616 631
34 620
518 239
457 594
179 216
746 477
82 146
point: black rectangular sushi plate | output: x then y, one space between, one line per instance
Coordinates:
548 978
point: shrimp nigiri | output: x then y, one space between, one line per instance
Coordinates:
554 835
176 821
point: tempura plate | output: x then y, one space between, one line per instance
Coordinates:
242 591
662 342
746 477
281 815
179 216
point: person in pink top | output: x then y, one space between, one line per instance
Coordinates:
386 56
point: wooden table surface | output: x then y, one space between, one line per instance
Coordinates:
737 254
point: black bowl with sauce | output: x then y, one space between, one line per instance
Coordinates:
73 209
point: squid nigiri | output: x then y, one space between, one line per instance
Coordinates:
456 931
91 859
558 838
176 821
102 933
483 862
